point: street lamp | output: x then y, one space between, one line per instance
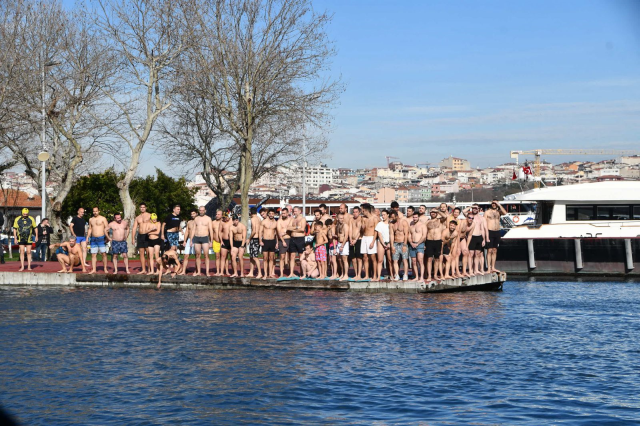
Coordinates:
44 155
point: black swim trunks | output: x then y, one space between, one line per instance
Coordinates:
476 243
433 248
494 239
226 244
446 250
296 245
355 253
237 244
141 241
269 246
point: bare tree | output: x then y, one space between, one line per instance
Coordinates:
265 65
148 37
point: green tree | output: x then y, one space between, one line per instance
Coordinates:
161 192
94 190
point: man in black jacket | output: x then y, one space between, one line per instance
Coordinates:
43 241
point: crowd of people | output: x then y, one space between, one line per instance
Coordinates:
445 242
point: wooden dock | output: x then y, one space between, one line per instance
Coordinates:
487 282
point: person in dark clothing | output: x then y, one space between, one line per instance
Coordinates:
43 241
78 229
1 244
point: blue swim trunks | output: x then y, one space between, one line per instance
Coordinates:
119 247
97 245
413 252
80 239
174 238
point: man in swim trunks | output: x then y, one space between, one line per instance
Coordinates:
492 217
297 228
417 237
23 229
201 240
141 239
188 241
98 239
217 242
355 242
400 250
478 241
267 239
368 247
284 236
239 234
343 233
171 228
254 242
119 233
433 245
449 241
463 234
78 229
68 254
225 247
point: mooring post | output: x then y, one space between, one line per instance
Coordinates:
532 257
627 249
578 246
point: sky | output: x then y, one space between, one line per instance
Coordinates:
429 79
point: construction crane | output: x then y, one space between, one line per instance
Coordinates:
537 153
388 162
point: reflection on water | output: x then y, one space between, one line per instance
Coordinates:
535 353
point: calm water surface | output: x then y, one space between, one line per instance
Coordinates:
536 353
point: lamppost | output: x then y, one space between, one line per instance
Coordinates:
44 155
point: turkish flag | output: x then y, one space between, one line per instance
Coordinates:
514 177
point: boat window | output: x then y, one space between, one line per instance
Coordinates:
636 212
613 212
580 213
610 212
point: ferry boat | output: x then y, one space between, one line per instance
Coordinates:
584 229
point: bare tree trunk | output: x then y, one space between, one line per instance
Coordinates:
129 209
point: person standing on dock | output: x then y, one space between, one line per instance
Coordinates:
319 232
78 229
343 233
141 239
202 236
23 228
368 247
355 242
418 235
254 242
171 228
284 236
216 244
267 238
449 242
239 234
119 234
324 214
400 250
44 232
433 245
478 241
225 245
188 241
98 239
492 217
463 247
385 242
296 243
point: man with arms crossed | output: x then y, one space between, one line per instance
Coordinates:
188 241
78 229
239 233
141 239
284 237
400 250
119 233
171 228
254 241
98 238
417 237
492 217
479 239
267 237
201 240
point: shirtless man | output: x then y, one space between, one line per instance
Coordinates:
217 242
395 207
368 247
267 237
400 250
169 261
141 239
225 244
254 242
325 213
69 254
119 233
417 237
188 241
239 235
201 239
283 237
492 217
97 239
343 234
296 244
410 211
433 245
479 239
449 242
463 248
355 241
422 213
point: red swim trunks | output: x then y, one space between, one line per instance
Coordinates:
321 253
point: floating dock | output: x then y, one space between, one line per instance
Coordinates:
487 282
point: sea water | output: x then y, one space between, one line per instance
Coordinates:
535 353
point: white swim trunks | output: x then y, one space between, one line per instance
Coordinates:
343 248
364 246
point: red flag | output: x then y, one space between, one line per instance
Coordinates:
527 171
514 177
